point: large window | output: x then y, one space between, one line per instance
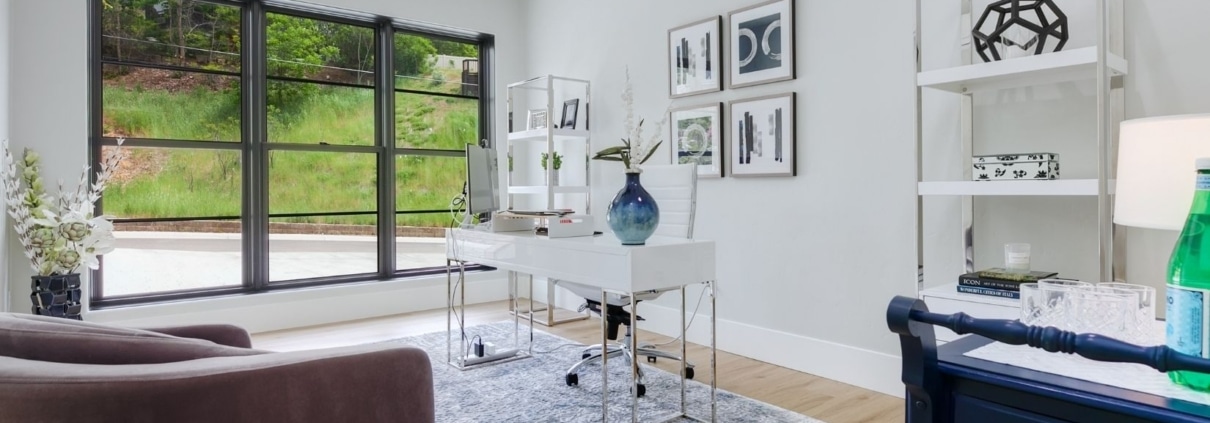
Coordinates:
270 144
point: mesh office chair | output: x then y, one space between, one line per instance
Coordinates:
674 188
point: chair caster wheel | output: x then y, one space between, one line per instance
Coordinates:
650 359
688 373
641 389
573 379
585 356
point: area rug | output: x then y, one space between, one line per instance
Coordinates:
534 389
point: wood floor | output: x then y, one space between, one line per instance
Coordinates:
823 399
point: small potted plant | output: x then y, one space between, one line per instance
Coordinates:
556 162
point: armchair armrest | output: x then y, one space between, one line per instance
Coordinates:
229 335
370 383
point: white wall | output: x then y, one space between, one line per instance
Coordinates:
808 263
52 116
4 65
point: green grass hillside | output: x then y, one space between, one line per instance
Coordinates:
155 182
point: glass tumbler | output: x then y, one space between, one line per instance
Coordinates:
1033 305
1061 301
1143 319
1108 311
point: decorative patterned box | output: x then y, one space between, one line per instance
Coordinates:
1028 166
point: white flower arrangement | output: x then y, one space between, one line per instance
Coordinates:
59 234
633 145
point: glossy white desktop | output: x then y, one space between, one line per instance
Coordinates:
663 264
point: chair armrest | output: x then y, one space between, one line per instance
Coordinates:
369 383
229 335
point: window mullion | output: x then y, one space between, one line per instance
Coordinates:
384 134
96 105
256 162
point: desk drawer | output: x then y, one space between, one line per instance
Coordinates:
967 409
950 306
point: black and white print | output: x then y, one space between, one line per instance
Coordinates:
536 119
697 138
762 43
694 58
762 136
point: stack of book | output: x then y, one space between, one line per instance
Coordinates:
999 282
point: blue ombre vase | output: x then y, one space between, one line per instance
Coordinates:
633 214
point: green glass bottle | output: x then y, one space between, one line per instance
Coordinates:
1189 284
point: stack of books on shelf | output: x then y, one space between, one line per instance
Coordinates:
999 282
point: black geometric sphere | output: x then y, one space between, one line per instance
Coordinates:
1041 20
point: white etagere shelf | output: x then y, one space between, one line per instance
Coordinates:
1058 187
1098 64
526 188
1063 66
540 135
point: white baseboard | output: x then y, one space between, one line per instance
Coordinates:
309 307
285 310
867 369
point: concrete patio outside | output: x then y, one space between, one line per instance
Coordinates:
147 262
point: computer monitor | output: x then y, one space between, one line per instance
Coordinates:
482 180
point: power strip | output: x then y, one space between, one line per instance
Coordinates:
498 355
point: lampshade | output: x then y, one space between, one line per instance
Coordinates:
1155 169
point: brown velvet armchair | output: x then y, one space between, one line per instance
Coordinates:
57 370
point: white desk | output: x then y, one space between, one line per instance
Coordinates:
663 264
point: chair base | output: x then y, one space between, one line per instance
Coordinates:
593 354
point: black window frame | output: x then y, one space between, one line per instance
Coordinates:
255 148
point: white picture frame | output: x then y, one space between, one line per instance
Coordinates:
763 136
761 41
695 59
696 133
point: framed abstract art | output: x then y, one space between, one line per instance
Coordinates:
762 44
697 137
762 136
695 58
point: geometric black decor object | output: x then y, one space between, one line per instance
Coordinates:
1021 26
56 295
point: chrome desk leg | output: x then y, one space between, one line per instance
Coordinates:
449 309
516 306
512 305
450 288
461 288
713 355
531 315
634 362
604 361
684 358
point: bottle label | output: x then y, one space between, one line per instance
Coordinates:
1186 315
1203 182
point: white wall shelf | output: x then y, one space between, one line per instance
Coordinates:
540 135
1059 187
1062 66
542 189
